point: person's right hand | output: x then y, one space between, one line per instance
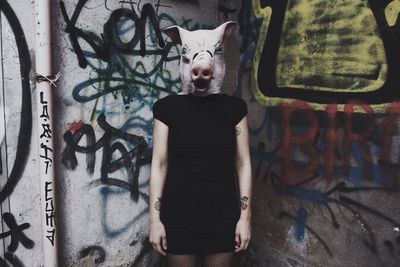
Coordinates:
157 237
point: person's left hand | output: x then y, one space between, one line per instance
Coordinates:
242 234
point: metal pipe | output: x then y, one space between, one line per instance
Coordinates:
44 84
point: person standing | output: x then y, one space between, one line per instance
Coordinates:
200 186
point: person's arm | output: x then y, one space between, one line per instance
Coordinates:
159 164
243 169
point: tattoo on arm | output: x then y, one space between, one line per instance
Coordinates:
237 130
157 204
243 202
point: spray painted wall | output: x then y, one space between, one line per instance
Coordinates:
325 145
20 231
319 78
115 66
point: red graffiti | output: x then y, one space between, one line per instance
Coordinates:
303 157
350 135
330 146
298 140
385 161
74 126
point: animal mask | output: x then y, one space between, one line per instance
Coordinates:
202 66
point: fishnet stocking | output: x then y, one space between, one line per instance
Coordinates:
186 260
222 259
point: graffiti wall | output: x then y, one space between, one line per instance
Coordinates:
319 78
115 64
20 231
324 131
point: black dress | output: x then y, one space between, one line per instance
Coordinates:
200 200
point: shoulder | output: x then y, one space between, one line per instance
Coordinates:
233 97
235 100
163 109
237 108
163 100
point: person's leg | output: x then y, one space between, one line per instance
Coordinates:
221 259
184 260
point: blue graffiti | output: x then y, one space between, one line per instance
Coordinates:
300 223
106 194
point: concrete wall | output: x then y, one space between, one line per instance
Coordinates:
320 81
324 133
105 207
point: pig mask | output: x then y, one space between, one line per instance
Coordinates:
202 66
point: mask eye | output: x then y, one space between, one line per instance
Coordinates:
184 51
218 49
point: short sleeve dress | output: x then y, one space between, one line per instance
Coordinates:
200 199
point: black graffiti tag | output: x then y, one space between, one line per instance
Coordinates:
25 130
110 34
108 165
17 236
98 251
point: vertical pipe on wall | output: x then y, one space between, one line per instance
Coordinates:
45 128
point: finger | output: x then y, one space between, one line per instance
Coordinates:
246 244
238 249
237 240
157 243
164 242
152 244
242 243
159 249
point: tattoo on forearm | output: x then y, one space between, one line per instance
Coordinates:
237 130
243 202
157 204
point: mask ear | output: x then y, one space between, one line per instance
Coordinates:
226 29
173 32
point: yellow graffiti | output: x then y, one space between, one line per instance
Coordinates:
328 46
392 11
265 14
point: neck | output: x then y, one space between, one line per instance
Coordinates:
196 92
